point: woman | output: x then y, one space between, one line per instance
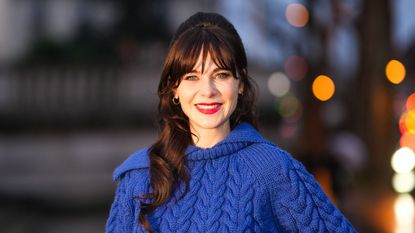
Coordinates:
210 170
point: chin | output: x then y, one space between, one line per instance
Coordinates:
210 124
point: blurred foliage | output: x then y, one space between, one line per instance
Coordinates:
83 51
140 23
144 19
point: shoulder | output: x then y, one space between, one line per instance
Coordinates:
272 165
267 157
137 160
297 200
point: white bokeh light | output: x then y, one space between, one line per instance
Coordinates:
403 182
403 160
278 84
404 214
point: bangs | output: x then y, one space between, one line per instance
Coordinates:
188 47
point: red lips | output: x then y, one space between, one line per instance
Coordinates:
208 108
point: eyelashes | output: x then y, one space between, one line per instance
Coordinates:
219 75
223 75
190 77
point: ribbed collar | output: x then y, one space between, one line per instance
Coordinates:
241 136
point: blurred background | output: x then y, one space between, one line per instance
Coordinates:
78 83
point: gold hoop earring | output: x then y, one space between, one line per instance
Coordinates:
176 101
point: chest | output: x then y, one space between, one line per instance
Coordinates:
220 199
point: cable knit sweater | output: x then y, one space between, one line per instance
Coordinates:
242 184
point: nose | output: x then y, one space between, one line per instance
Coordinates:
208 87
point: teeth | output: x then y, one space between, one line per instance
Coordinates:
208 106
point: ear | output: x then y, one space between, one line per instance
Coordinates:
174 91
241 88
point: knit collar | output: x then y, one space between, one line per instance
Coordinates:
241 136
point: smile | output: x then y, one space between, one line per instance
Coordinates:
208 108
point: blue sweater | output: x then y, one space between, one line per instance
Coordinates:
242 184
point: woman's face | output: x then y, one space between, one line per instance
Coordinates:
208 99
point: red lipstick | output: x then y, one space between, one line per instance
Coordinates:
208 108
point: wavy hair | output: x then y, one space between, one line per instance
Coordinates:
206 33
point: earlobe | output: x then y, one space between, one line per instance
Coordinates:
174 92
175 100
241 89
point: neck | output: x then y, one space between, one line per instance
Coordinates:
206 138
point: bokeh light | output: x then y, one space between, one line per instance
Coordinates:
348 148
333 113
410 121
403 160
410 102
295 67
323 87
403 182
408 140
395 71
404 213
290 108
297 14
288 130
278 84
402 124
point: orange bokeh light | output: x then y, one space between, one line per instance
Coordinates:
395 71
323 87
297 14
410 102
408 140
402 124
410 121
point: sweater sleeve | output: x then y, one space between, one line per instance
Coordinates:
123 216
299 204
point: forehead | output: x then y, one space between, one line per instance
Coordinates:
205 63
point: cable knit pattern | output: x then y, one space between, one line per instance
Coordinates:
242 184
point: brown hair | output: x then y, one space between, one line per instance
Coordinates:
212 34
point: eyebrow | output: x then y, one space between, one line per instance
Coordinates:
214 71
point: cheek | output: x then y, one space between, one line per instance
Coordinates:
185 95
232 97
234 102
182 92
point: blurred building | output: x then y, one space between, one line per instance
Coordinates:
78 82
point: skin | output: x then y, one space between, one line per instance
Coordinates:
202 90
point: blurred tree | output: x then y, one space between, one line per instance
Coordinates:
370 104
314 139
138 24
373 105
145 20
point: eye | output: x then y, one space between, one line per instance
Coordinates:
223 75
190 77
